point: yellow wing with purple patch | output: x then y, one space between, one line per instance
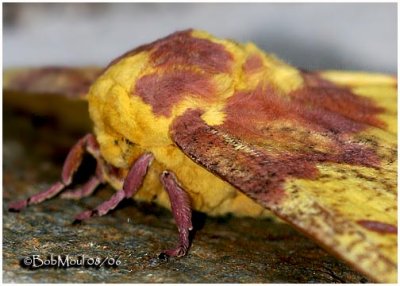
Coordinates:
322 157
52 92
69 82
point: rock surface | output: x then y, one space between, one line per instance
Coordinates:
224 250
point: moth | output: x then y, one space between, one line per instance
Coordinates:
193 122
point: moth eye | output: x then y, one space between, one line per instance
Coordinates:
128 142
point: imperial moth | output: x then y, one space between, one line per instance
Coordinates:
224 128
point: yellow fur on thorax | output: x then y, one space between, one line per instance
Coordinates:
118 115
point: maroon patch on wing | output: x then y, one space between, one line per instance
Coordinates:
378 226
325 95
332 110
251 170
163 90
252 64
358 111
294 152
182 49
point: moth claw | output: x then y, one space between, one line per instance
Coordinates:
76 222
177 252
163 257
17 206
84 215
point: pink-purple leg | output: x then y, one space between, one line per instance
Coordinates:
88 188
131 185
181 209
71 164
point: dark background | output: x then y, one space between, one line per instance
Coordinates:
311 36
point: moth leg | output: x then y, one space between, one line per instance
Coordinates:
71 164
88 188
131 185
181 209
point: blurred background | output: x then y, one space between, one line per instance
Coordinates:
311 36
